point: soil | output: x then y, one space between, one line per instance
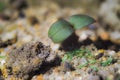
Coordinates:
27 53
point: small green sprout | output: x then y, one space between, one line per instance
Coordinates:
62 29
94 68
78 53
107 62
83 65
92 61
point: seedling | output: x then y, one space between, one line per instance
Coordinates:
107 62
62 29
83 65
94 68
78 53
92 61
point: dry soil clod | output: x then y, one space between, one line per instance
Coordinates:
24 61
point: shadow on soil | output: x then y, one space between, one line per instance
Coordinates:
45 67
72 43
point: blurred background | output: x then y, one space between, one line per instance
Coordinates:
23 21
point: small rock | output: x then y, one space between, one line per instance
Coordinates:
115 37
99 55
55 47
83 61
33 20
111 53
117 77
93 77
67 66
104 35
6 43
103 73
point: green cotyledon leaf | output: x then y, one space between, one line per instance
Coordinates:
80 21
60 30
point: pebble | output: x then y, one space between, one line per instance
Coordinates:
111 52
103 73
9 36
93 77
55 47
67 66
117 76
27 38
99 55
115 35
104 35
83 35
83 60
2 62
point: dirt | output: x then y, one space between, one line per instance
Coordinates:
27 53
24 61
7 43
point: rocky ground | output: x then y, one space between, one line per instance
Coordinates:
27 53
